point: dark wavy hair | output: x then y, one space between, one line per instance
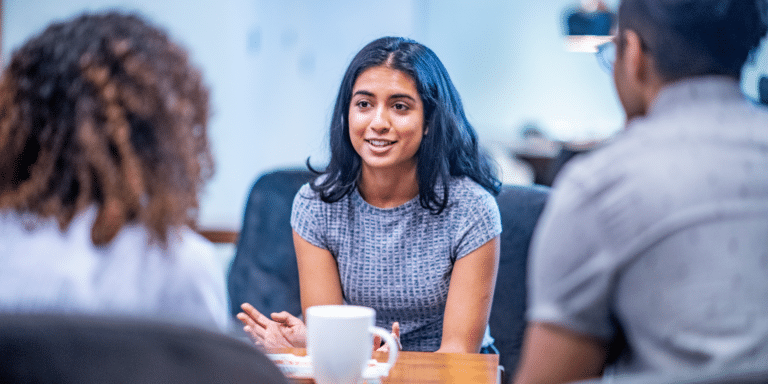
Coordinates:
103 110
690 38
449 150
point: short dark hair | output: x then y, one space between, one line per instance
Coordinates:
103 110
690 38
450 148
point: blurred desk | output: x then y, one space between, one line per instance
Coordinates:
428 367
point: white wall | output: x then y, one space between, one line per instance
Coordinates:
508 60
274 68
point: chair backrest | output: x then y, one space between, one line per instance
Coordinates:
520 208
264 271
59 348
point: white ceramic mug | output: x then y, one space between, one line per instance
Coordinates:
340 342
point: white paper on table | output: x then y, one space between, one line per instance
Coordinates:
300 367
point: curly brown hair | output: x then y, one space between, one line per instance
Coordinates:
104 110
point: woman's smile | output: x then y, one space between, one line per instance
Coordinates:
380 144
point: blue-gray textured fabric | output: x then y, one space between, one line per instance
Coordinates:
398 261
664 235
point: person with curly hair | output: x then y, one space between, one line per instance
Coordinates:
103 156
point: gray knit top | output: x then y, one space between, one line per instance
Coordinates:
398 261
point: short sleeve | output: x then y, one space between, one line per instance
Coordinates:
306 216
480 221
570 273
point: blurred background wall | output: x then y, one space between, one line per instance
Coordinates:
274 67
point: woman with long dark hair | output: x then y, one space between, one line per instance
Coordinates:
403 219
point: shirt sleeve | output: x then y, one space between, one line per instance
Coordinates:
480 222
570 273
306 217
199 289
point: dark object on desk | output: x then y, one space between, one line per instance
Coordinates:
546 167
264 271
762 88
567 152
85 349
520 208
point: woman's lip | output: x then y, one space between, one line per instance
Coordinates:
380 143
379 149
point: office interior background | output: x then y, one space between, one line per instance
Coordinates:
274 66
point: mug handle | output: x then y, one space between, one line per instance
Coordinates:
392 347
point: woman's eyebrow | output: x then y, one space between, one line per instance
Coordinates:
362 92
402 96
395 96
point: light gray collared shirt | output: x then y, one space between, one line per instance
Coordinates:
664 235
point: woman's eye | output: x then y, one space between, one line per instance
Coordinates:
401 107
363 104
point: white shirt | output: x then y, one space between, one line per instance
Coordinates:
43 269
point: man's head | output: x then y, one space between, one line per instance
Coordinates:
662 41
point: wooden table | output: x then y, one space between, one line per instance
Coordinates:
429 367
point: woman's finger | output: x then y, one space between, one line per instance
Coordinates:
282 317
256 330
246 320
396 334
253 336
254 314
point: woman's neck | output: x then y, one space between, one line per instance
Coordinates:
388 188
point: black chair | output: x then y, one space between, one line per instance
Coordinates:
51 348
264 271
520 208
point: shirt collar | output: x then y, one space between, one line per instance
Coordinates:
682 92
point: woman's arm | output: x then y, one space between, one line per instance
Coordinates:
319 282
469 299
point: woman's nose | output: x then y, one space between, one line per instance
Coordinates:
380 122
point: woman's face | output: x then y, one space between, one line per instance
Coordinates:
386 119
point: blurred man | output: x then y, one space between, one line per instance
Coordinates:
661 238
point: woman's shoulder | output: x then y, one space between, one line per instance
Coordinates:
467 197
464 188
306 192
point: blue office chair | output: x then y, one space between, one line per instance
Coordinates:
70 348
520 208
264 271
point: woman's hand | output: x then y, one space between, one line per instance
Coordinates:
282 331
385 347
